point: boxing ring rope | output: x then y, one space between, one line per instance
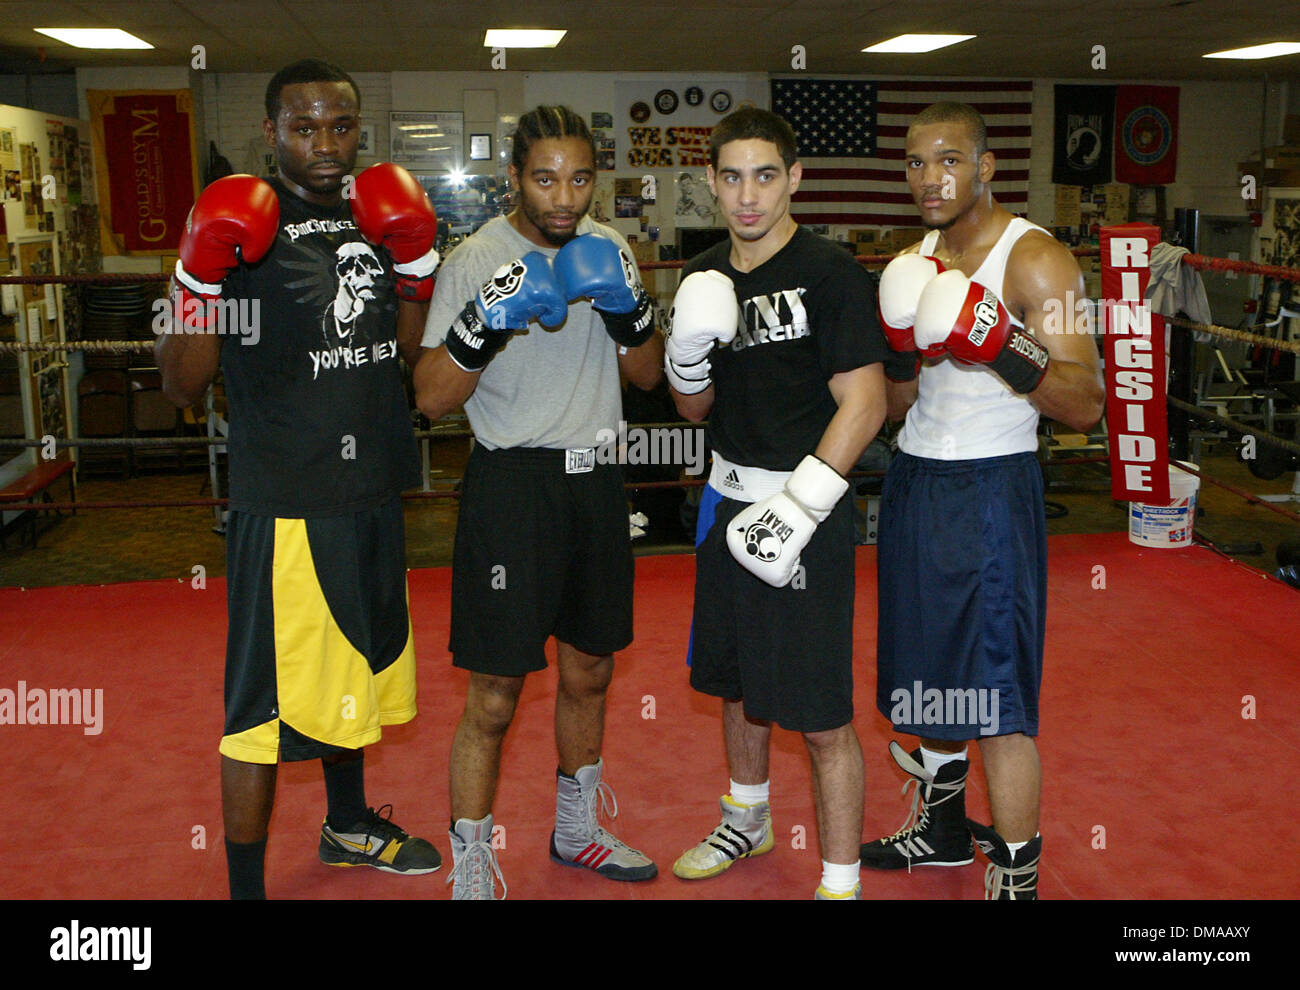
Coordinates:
86 278
451 493
1195 261
1240 336
1234 424
1203 262
1252 499
91 346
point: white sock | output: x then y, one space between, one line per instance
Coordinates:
751 793
933 761
1015 847
840 878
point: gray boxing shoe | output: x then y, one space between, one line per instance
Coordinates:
474 871
578 839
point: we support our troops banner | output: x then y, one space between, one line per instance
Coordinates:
1146 135
658 126
1135 367
145 166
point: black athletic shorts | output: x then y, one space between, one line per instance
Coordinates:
786 652
539 552
319 652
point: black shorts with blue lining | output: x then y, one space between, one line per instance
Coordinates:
786 652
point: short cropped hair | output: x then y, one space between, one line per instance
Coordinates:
548 122
309 70
960 113
751 123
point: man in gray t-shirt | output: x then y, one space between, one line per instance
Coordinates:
532 321
548 387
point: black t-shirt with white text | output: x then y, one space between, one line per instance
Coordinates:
319 421
807 313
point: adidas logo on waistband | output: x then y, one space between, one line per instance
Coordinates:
732 481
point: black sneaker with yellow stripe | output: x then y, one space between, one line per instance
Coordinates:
377 841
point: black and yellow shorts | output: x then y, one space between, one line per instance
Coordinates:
319 653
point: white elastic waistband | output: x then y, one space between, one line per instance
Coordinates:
745 484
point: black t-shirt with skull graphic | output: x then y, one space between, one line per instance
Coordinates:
319 421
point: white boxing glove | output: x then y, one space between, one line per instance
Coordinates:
901 284
768 537
938 310
704 312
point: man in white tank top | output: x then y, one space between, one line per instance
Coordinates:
962 541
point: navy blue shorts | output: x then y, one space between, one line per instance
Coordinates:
786 652
962 596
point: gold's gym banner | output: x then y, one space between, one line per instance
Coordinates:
145 167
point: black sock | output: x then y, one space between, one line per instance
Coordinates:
245 863
345 792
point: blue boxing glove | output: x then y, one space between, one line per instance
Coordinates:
596 267
517 292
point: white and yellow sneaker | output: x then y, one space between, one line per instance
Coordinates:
825 895
745 830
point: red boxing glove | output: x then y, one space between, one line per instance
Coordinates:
234 219
967 320
392 209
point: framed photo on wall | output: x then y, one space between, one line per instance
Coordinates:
427 141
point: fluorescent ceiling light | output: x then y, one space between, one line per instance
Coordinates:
914 43
1272 50
94 37
501 38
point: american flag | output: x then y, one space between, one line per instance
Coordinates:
851 137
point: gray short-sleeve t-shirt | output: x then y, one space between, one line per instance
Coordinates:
549 386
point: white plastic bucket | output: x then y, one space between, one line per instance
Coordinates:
1165 526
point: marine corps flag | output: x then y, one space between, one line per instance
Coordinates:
1146 135
1084 131
145 167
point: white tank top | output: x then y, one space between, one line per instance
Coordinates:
966 411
